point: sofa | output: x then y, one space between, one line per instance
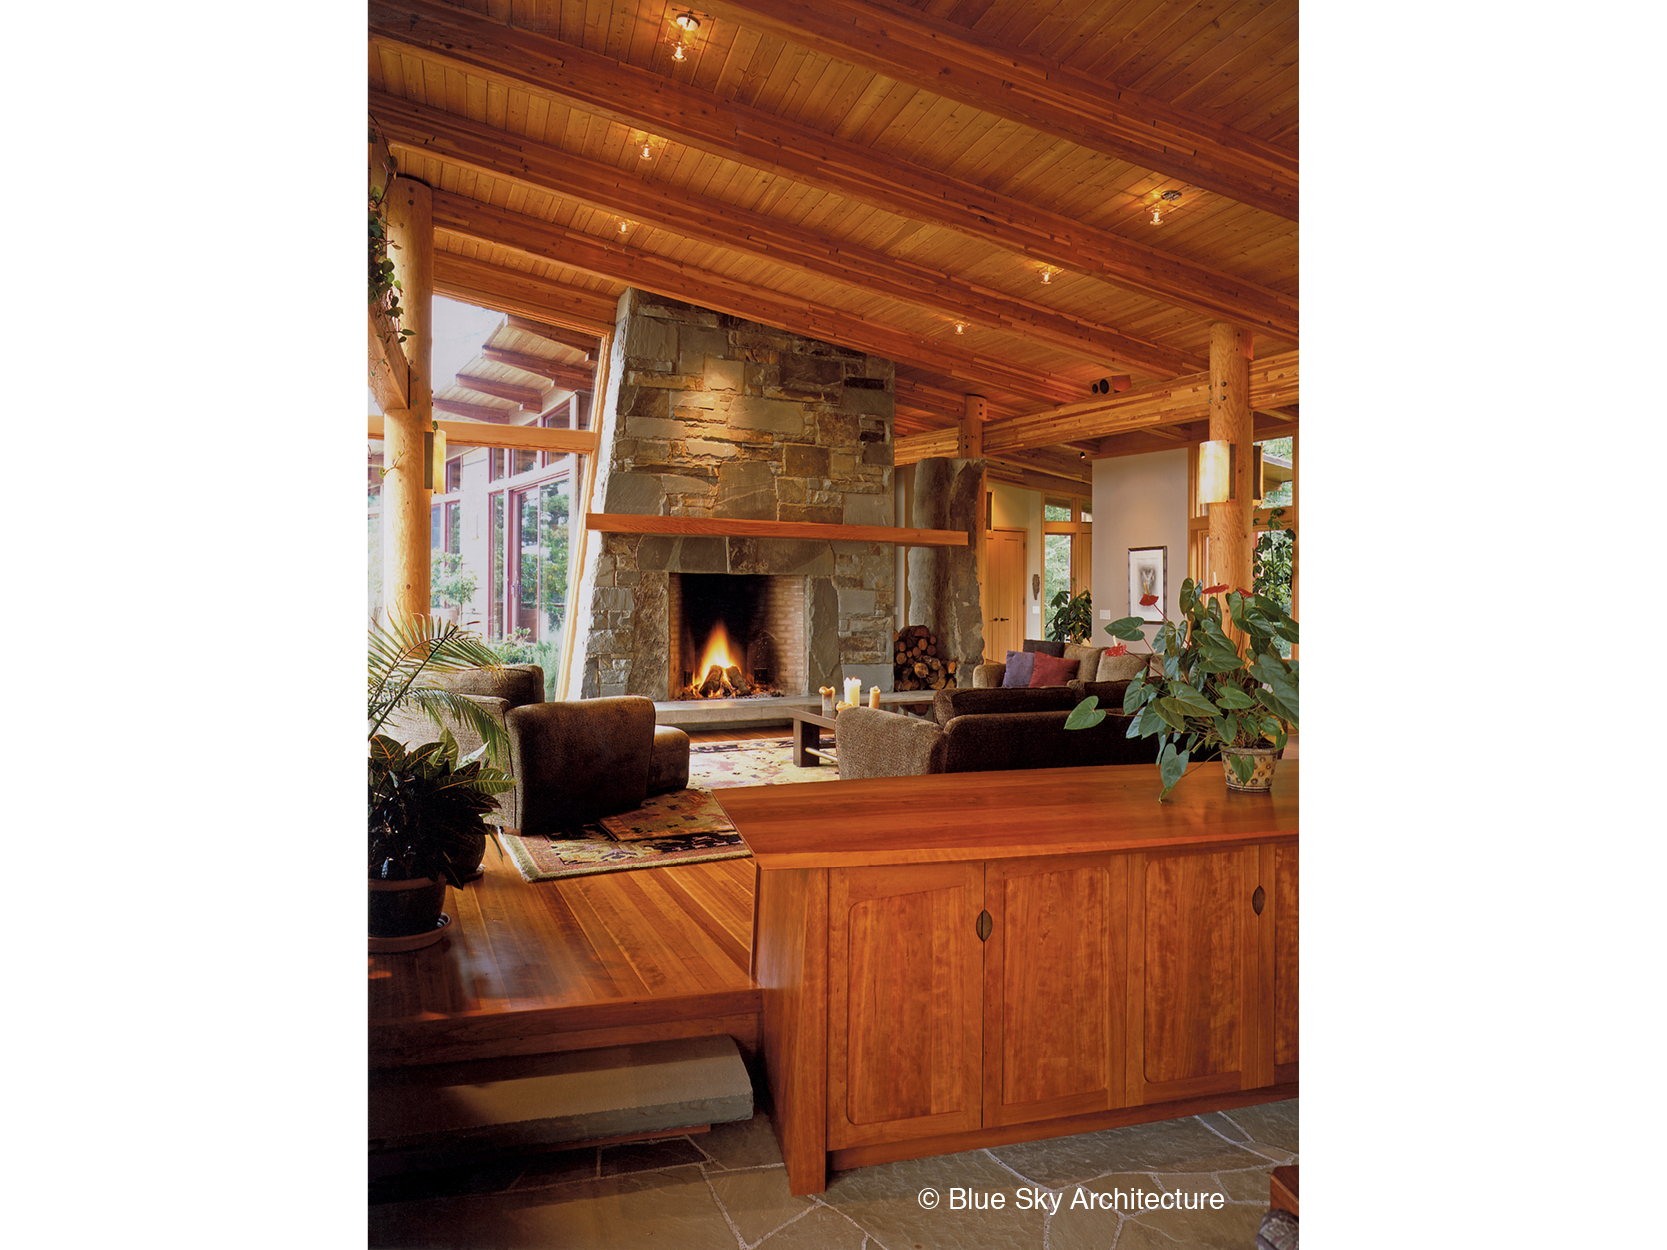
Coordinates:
572 761
988 730
1094 664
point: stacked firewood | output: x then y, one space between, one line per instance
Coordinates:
916 664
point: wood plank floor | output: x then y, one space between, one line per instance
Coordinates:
532 968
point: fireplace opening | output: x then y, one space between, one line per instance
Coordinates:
736 636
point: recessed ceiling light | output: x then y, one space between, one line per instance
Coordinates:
688 21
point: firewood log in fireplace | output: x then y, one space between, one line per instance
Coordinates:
738 685
715 685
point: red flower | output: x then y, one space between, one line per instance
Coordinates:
1117 649
1147 601
1213 590
1243 591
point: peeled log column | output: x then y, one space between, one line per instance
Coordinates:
405 499
1231 522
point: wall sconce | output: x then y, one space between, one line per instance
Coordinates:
1217 459
1257 493
434 468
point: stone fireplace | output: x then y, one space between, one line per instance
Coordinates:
711 416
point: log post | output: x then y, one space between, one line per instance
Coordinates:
405 498
973 416
1231 523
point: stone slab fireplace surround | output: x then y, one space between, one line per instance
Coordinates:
707 415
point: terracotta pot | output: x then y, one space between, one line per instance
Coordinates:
1262 760
405 908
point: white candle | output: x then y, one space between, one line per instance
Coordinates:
853 690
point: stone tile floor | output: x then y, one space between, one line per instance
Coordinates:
727 1189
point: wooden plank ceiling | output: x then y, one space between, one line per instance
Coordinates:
893 175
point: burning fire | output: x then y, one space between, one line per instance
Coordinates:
717 652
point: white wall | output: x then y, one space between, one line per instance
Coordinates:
1139 501
1014 508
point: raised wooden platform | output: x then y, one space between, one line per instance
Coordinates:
606 960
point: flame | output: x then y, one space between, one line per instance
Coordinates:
717 652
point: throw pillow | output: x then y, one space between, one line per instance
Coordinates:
1087 658
1052 670
1018 668
1125 667
1045 646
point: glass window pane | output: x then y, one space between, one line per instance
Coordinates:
494 464
495 610
1055 510
1056 570
525 460
553 520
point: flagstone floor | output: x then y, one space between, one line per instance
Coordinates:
727 1189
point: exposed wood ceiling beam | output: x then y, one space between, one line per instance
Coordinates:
522 294
390 374
576 339
1034 479
945 405
1161 403
530 398
484 223
917 447
638 98
476 412
463 142
1167 438
579 377
954 62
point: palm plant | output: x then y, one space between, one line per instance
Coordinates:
406 650
427 805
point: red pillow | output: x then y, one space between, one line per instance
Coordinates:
1052 670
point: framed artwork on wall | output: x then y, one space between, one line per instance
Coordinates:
1147 576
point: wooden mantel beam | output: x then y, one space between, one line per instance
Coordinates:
1273 384
617 523
553 69
458 140
544 240
955 62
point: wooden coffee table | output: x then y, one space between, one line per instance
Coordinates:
809 722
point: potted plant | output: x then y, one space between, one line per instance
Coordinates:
1072 617
1214 692
427 805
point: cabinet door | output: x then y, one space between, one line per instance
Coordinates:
905 1042
1053 987
1284 910
1194 965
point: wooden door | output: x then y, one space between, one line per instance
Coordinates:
1004 593
1053 987
905 1042
1195 972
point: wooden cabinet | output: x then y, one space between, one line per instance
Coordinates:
977 986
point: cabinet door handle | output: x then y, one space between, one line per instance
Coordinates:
985 924
1258 900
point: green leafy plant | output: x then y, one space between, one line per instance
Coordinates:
1275 557
405 652
1072 617
452 581
1214 692
428 809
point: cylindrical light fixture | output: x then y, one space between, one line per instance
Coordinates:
1215 470
1257 490
438 469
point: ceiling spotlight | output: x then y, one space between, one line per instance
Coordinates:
688 21
677 53
624 227
646 150
1165 198
960 327
1048 272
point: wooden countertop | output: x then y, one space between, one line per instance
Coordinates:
1003 815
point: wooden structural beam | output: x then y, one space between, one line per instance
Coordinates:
1165 438
1272 381
521 437
725 527
523 294
579 377
529 397
485 223
475 146
390 372
476 412
1231 541
933 443
407 482
576 339
554 69
953 61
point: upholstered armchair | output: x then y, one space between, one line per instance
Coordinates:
571 761
576 760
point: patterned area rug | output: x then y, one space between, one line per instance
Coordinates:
685 827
